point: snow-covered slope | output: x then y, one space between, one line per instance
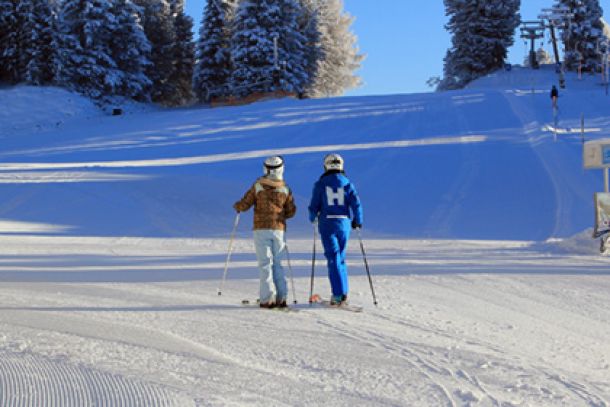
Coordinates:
479 163
114 231
26 110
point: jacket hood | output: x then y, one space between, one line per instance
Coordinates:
274 183
331 172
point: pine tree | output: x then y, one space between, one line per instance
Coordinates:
85 62
482 31
339 57
309 26
8 41
582 36
184 55
292 48
130 50
36 32
606 28
256 23
213 51
102 49
7 18
159 28
543 57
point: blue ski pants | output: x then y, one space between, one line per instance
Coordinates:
335 235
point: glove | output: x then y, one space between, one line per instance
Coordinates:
235 207
356 225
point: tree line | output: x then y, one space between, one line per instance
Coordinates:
483 30
145 50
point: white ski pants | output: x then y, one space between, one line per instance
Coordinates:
270 249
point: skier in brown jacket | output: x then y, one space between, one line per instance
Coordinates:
273 204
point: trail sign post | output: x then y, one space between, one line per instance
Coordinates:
596 155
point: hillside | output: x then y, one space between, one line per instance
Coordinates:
114 234
477 163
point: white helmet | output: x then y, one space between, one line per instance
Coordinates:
333 162
274 167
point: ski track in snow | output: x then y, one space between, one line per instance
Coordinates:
243 155
27 379
441 335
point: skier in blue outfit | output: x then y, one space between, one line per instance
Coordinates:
333 198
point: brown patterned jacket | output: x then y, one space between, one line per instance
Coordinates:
273 204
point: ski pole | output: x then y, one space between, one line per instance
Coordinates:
294 293
224 274
366 265
313 263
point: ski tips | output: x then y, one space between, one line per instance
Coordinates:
315 298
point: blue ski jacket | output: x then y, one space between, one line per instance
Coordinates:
332 199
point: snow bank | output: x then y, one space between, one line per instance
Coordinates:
526 81
581 243
31 109
28 109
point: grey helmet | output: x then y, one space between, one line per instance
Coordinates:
333 162
274 167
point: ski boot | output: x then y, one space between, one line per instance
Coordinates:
270 304
338 300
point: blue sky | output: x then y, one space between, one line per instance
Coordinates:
405 45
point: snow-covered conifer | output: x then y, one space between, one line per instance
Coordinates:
36 33
309 26
339 57
213 67
159 27
543 57
184 55
252 47
482 31
85 62
130 50
102 49
583 33
8 41
606 28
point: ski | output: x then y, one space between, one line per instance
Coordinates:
319 301
256 304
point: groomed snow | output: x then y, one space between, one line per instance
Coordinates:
114 232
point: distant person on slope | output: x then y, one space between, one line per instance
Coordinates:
554 96
332 199
273 204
